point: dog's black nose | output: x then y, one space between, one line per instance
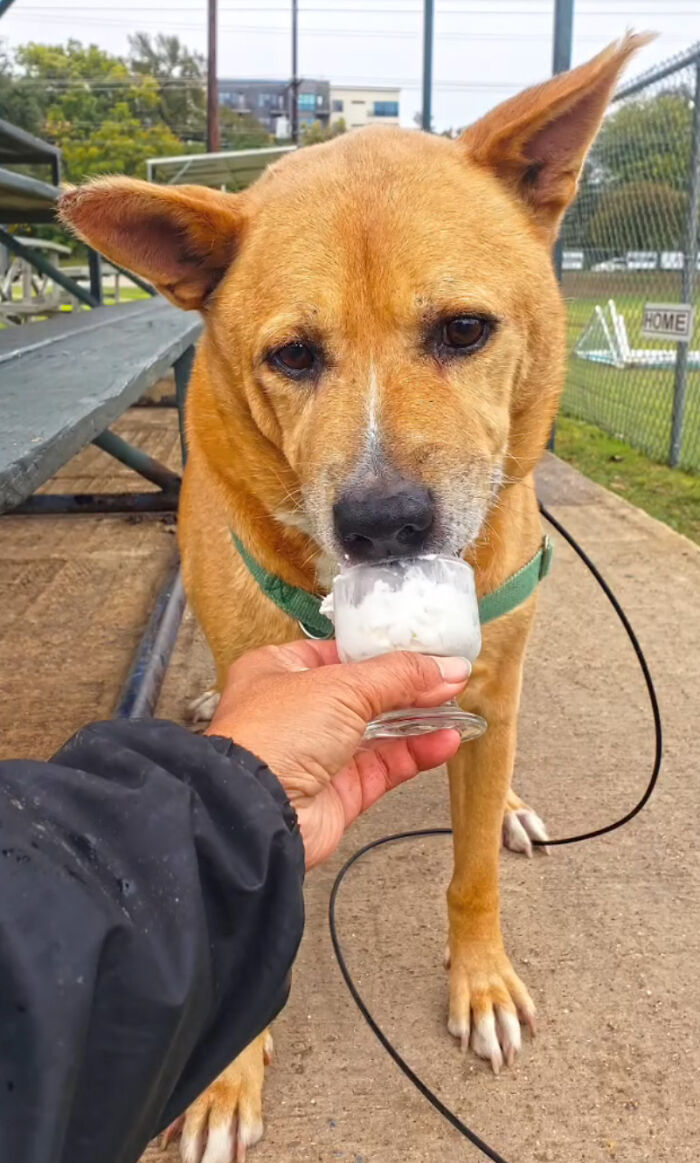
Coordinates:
377 521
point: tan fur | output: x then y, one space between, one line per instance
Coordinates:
357 243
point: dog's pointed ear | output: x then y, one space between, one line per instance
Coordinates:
536 143
181 238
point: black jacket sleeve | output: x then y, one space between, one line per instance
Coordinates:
150 910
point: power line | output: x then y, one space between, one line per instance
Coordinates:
532 6
97 85
652 10
82 83
381 33
369 82
407 34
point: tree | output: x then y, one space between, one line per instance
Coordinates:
241 130
107 114
639 216
78 87
315 133
180 79
20 102
574 232
103 115
418 121
646 140
644 147
121 145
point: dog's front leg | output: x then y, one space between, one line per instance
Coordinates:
226 1119
487 998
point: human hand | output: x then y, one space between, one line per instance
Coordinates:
304 713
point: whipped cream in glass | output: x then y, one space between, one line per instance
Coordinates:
426 604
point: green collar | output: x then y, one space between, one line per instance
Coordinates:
305 608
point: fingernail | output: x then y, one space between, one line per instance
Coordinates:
453 669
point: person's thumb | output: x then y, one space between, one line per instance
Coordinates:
392 682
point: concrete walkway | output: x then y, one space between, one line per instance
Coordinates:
606 934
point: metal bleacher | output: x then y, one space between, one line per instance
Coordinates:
26 199
65 380
233 170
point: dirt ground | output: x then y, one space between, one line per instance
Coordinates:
606 934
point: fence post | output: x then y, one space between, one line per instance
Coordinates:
427 107
690 259
561 61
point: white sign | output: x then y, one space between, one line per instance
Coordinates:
572 260
641 260
674 260
668 321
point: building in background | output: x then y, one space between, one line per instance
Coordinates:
358 105
270 102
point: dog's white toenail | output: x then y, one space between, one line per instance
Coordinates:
484 1040
220 1144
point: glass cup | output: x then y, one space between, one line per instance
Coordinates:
426 604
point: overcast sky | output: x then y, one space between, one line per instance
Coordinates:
484 49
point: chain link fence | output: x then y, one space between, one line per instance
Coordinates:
631 239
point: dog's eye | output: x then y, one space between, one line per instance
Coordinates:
466 333
294 359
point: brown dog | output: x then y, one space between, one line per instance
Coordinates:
382 360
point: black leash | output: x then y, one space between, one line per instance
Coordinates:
391 1050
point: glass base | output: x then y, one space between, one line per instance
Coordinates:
424 721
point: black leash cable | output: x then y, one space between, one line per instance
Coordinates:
651 690
393 1053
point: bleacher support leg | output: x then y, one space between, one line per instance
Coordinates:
182 369
140 693
134 458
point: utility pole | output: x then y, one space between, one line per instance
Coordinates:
427 112
213 138
690 266
561 61
563 35
294 118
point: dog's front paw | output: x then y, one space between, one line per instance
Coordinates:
227 1118
521 826
200 711
488 1001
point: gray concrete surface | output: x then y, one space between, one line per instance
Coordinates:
75 594
606 935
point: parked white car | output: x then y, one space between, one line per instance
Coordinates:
611 264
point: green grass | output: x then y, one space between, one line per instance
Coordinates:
634 404
126 295
668 494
